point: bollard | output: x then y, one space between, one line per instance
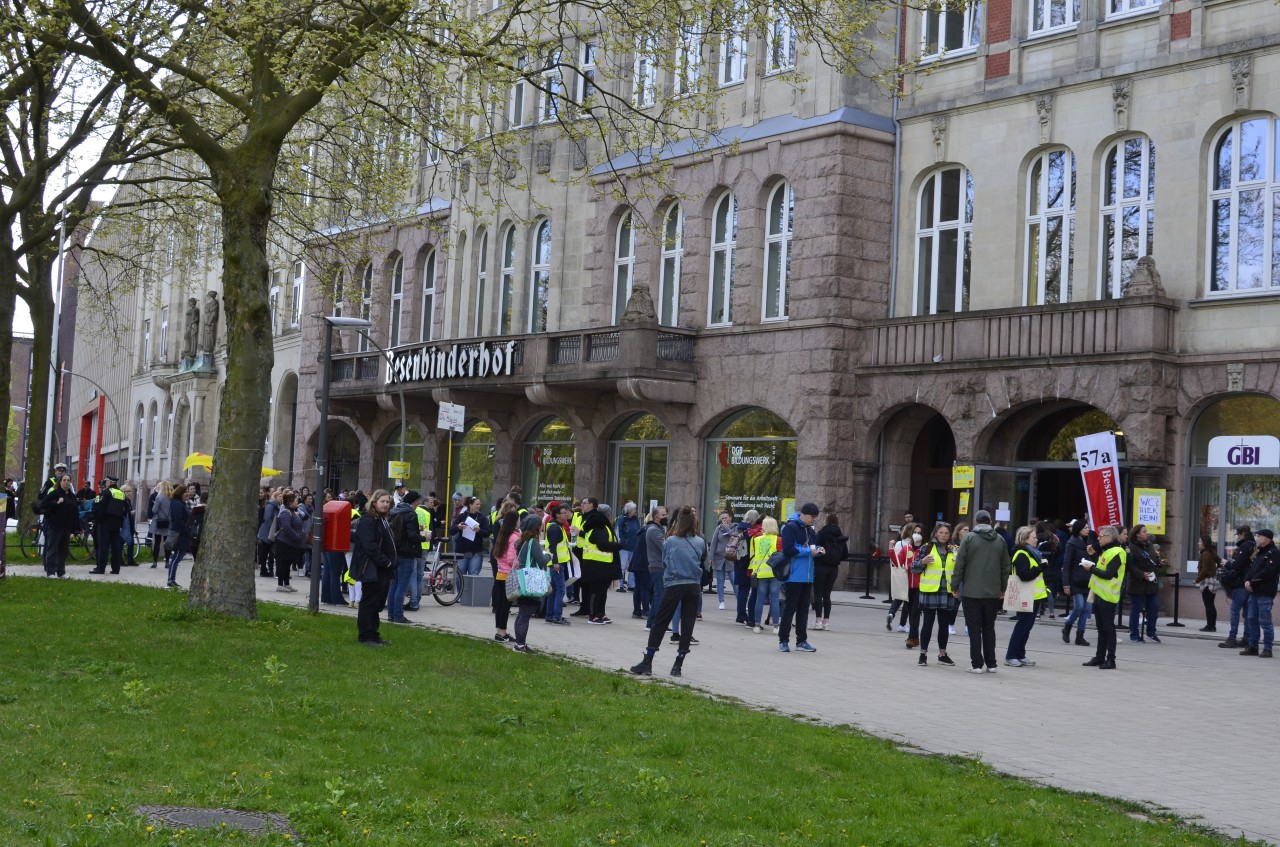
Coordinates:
1177 583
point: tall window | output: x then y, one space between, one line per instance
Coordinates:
944 242
1117 8
950 28
586 72
724 239
164 334
397 303
540 278
142 440
547 106
1128 211
624 260
146 344
733 57
366 304
1050 15
1244 208
688 68
777 252
644 89
482 279
515 108
672 257
507 293
295 301
780 42
155 428
428 294
273 300
1051 227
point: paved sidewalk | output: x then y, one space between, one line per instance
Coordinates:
1166 700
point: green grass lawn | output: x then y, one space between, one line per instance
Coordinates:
113 696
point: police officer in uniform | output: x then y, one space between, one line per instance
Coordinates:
109 509
51 484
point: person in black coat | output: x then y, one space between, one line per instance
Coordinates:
1075 580
825 568
597 574
373 559
178 540
61 512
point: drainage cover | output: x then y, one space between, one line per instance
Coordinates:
183 817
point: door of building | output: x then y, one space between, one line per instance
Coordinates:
1016 486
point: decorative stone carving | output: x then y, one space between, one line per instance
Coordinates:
191 331
579 157
1145 280
482 170
464 179
209 329
1235 376
1120 92
1241 78
640 307
939 137
1044 111
542 156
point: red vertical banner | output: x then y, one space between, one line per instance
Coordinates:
1100 473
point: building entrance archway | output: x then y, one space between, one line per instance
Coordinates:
638 455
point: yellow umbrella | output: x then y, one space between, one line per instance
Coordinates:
271 472
198 460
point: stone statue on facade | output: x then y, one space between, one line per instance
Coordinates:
209 329
1145 280
640 307
190 332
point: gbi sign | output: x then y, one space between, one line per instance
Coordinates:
1244 451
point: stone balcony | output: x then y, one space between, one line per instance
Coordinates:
1106 329
638 361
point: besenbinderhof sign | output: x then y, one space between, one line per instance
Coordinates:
471 360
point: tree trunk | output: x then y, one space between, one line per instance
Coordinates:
39 299
222 579
8 396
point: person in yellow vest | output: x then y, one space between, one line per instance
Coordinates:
1106 581
561 559
768 587
600 561
937 563
573 590
1029 567
109 509
415 585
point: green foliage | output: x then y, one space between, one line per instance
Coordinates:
444 740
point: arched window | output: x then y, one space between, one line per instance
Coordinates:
155 428
508 291
1128 211
944 242
724 238
428 293
366 304
624 260
1244 198
777 252
142 440
482 279
1051 227
540 277
397 302
672 257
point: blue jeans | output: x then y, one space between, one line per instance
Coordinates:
415 583
1080 610
655 595
331 578
1257 621
628 578
179 550
1017 648
724 573
1239 602
470 564
640 597
770 590
1150 603
555 600
399 585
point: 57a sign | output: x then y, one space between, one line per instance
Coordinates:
1101 476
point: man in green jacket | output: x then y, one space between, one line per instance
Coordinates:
981 573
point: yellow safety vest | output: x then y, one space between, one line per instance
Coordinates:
424 524
943 563
576 523
562 552
593 553
1042 591
1109 589
762 547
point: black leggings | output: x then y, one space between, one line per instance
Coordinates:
1104 614
1210 599
824 581
684 595
926 628
501 605
594 595
266 559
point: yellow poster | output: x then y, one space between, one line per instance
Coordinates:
962 476
398 470
1149 508
964 502
788 508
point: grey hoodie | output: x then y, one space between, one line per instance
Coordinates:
982 564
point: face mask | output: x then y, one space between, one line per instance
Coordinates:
916 538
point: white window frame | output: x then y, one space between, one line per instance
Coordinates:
1130 8
644 77
1045 9
539 275
482 279
586 87
366 306
724 242
547 105
164 334
146 344
780 45
1266 187
517 105
778 243
155 428
396 312
297 293
507 291
1039 216
733 58
428 294
142 439
688 67
1113 276
273 300
970 20
671 267
929 236
624 263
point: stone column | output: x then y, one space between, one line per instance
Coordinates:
861 527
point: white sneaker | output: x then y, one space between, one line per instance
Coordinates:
951 630
775 630
902 629
758 629
722 607
977 670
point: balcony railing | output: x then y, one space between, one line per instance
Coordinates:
675 348
355 366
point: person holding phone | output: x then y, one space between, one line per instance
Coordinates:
799 547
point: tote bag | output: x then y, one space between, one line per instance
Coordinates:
1019 596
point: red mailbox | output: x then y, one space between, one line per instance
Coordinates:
337 526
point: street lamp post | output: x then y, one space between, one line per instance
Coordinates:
322 458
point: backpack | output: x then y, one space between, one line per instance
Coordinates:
731 547
275 528
640 558
780 565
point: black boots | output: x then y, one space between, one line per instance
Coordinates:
1080 642
675 669
1066 634
645 668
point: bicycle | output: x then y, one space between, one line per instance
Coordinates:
442 581
33 540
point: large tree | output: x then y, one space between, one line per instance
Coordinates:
281 98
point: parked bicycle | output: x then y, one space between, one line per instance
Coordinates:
32 541
442 581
